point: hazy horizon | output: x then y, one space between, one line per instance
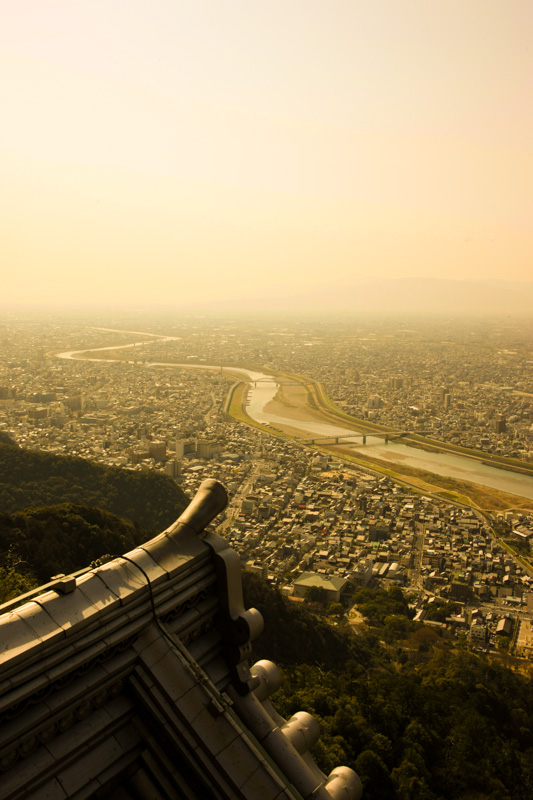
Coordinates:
220 156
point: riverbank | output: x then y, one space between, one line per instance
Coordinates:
465 492
300 408
309 402
301 403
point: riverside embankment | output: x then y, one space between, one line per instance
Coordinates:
286 407
299 408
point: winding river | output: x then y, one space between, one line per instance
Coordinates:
263 388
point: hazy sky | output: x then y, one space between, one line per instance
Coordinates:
172 151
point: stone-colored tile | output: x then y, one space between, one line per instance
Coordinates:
238 761
40 621
123 579
24 772
177 681
86 768
156 573
16 639
71 612
77 732
172 556
97 592
50 791
217 734
263 784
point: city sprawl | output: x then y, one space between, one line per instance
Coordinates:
302 517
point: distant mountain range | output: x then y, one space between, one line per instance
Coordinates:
432 295
413 295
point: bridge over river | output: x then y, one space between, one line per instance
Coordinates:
263 388
349 439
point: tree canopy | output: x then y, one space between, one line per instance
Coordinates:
43 542
446 725
32 479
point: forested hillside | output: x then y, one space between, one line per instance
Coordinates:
417 721
39 543
32 479
417 717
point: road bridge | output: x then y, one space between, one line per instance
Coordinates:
349 438
276 380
